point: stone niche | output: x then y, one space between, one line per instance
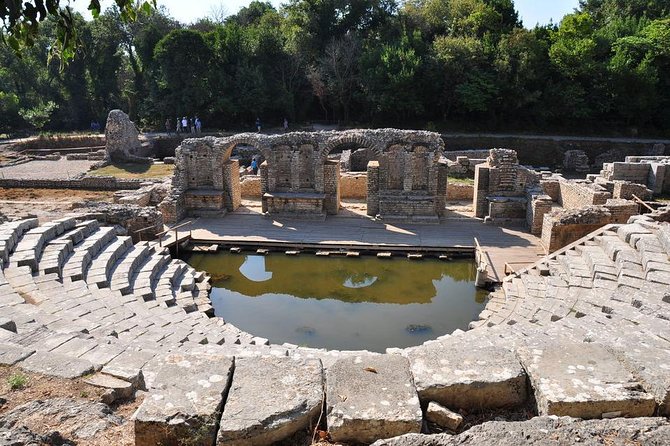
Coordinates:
206 181
299 178
503 188
409 180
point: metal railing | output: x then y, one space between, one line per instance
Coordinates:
176 234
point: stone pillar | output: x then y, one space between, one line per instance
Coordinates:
295 169
440 192
538 206
373 188
331 175
263 171
232 196
481 190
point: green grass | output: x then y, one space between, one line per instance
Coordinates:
17 381
134 170
456 180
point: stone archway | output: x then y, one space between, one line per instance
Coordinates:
406 180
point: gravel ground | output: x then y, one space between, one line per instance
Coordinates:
46 170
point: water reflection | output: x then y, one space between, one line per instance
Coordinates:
253 269
359 281
342 303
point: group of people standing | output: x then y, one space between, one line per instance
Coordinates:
259 126
185 125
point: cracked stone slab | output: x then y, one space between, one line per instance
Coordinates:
185 400
371 397
55 364
75 419
583 380
12 354
271 399
468 374
542 431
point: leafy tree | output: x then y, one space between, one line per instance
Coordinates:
21 21
183 59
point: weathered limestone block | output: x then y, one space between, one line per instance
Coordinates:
116 389
473 376
79 420
11 354
122 138
54 364
371 397
541 431
583 380
442 416
185 401
271 399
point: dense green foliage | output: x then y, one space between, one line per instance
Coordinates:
421 63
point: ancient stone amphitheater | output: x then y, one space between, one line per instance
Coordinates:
584 333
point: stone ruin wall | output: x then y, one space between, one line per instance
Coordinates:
502 186
651 171
585 206
576 194
298 177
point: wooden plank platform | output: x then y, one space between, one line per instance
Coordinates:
513 245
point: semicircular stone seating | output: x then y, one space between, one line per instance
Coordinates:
585 331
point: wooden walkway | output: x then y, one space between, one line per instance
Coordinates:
501 245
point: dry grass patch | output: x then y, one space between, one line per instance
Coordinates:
55 195
41 387
135 170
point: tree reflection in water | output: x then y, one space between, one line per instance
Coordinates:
341 302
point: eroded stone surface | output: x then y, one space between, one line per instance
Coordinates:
583 380
116 389
185 401
270 399
548 431
371 397
470 374
442 416
58 365
11 354
76 419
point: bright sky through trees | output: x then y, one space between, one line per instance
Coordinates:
531 11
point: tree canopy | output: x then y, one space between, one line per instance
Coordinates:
462 64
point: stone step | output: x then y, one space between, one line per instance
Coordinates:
60 248
371 397
101 266
123 273
151 270
29 249
583 380
170 413
270 399
468 372
10 234
77 265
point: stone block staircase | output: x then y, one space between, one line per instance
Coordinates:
585 331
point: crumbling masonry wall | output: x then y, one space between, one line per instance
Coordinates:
502 186
297 177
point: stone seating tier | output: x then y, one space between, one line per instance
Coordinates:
582 333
